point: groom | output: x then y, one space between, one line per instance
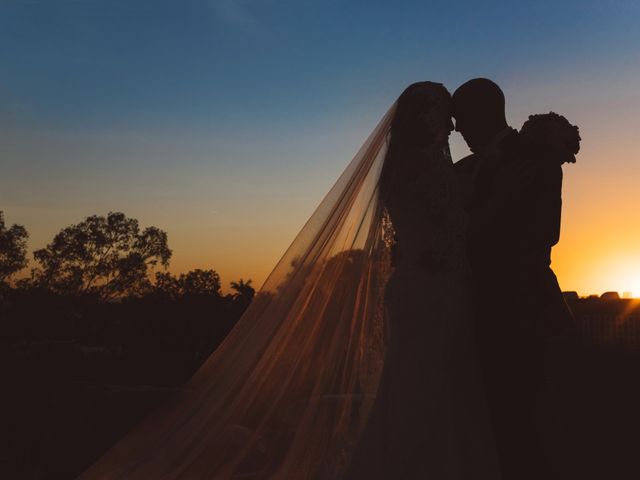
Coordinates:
513 198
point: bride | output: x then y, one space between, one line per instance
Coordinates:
356 358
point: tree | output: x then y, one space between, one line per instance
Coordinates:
13 249
108 256
244 291
167 286
194 283
200 282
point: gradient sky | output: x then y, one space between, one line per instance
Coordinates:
224 122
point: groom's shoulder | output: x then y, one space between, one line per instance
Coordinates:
527 148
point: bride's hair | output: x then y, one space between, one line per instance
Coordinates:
422 119
423 111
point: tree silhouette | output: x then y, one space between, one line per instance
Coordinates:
200 282
244 291
107 256
193 283
13 249
167 286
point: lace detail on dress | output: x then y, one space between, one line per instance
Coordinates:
428 220
444 239
388 232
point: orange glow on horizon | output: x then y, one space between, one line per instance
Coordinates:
238 219
599 248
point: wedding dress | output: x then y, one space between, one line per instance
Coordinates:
430 419
355 359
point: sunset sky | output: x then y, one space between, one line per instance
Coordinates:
224 122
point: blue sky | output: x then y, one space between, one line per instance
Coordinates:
101 63
224 120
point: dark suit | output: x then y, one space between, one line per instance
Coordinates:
518 302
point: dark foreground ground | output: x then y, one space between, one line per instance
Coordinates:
64 402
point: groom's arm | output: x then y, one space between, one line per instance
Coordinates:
499 222
525 210
534 195
547 209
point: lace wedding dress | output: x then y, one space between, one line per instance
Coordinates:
348 363
429 420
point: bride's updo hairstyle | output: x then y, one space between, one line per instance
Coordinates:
423 116
422 119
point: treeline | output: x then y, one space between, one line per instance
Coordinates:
109 258
94 332
92 297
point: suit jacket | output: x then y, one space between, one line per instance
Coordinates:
510 236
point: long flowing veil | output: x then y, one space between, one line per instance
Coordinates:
288 392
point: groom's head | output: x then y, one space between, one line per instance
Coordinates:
478 108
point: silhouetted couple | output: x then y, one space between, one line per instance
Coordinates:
472 274
402 335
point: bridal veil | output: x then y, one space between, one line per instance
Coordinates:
288 392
